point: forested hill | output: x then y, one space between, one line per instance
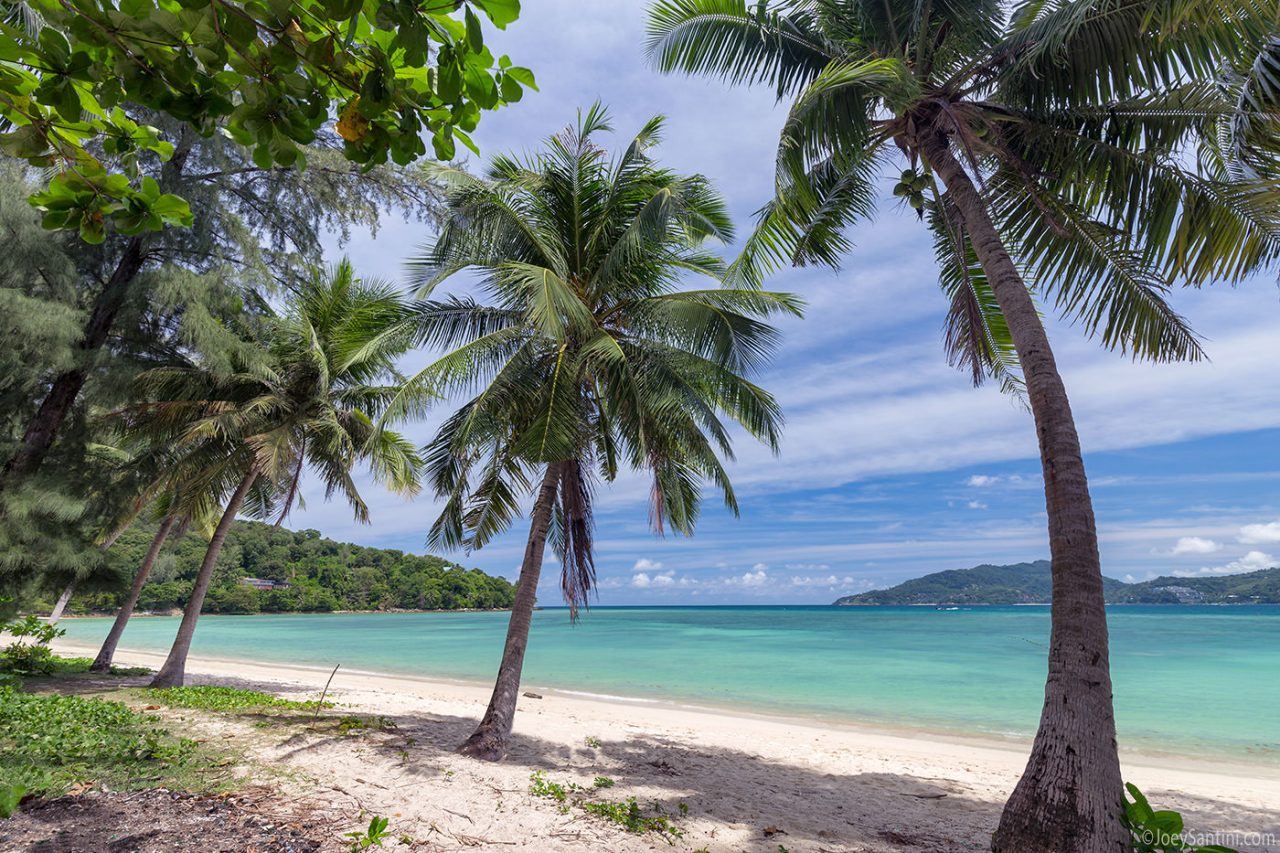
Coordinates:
1029 583
1260 587
323 575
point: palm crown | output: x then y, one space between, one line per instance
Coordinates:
1080 118
586 356
309 399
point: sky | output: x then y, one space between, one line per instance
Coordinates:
892 465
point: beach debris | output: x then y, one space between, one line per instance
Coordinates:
928 796
529 694
663 765
770 831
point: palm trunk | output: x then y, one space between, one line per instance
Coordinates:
56 613
1068 799
102 663
174 671
489 742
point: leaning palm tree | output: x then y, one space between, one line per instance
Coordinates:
586 359
249 436
175 517
1051 151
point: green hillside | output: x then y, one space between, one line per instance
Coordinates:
1261 587
322 575
1029 583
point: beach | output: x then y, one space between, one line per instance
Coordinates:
748 782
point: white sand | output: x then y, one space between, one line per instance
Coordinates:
823 787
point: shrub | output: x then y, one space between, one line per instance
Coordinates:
30 655
1158 831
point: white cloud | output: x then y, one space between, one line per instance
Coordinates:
803 580
980 480
1260 534
758 576
976 505
1251 562
644 564
646 580
1195 545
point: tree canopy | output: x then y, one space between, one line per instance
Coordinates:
1096 128
587 357
268 74
322 575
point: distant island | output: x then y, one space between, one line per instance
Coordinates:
266 569
1029 583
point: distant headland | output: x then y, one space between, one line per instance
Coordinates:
1029 583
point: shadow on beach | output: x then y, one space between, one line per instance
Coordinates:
736 798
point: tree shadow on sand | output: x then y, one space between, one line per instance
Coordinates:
729 793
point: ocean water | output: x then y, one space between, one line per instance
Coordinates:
1188 680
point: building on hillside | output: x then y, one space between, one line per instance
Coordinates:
259 583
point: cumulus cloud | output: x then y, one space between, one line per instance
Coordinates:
976 505
758 576
644 564
1250 562
980 481
1194 545
1260 534
820 580
646 580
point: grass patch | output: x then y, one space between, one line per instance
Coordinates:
355 723
48 742
226 699
631 817
77 666
56 666
625 813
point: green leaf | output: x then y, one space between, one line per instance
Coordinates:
523 76
501 12
92 230
475 35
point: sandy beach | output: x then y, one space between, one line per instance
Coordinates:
749 783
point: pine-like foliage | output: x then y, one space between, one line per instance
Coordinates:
254 232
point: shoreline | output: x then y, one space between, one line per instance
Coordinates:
172 614
730 780
297 674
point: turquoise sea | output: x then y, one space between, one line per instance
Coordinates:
1188 680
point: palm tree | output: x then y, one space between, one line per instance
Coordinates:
174 521
1048 147
586 359
249 436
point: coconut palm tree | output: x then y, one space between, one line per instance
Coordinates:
1050 150
175 516
249 436
586 358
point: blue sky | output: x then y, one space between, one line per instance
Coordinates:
892 465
